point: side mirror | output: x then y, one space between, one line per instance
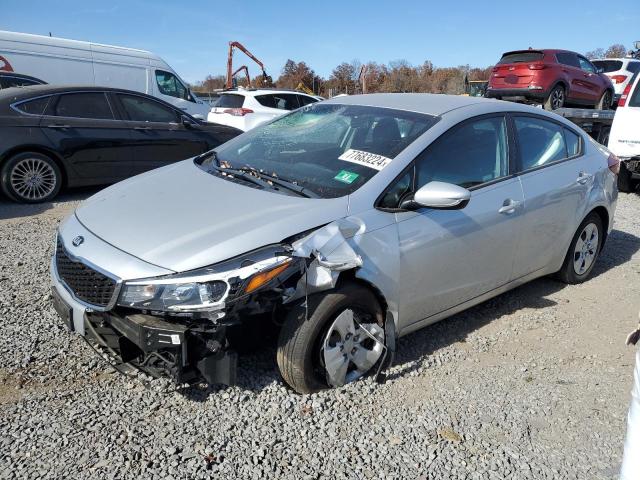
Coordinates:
187 122
440 195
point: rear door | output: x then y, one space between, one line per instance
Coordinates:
570 67
158 135
86 130
555 182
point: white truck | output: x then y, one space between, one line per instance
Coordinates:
70 62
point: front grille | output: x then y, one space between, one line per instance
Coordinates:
86 283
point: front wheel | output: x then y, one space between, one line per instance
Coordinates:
338 340
583 251
30 177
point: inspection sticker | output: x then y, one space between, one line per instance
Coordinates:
345 176
368 159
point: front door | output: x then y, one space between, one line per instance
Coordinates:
449 257
159 137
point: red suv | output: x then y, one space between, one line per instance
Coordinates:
555 78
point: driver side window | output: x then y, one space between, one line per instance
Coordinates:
168 84
470 154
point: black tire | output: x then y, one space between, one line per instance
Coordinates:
300 340
605 101
568 273
35 167
556 99
625 182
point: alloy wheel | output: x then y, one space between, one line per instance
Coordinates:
586 249
350 348
33 179
557 98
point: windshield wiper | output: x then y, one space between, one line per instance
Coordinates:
243 175
289 185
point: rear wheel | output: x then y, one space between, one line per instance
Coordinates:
625 182
605 101
339 339
555 99
583 251
31 177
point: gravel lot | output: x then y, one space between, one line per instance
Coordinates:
532 384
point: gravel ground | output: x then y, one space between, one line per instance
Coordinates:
532 384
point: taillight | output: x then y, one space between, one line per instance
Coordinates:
623 98
618 78
613 163
537 66
237 112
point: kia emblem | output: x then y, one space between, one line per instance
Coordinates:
79 240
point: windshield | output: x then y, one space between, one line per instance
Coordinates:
331 150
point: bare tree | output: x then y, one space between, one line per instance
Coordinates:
616 50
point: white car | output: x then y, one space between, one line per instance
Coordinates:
248 108
619 70
624 139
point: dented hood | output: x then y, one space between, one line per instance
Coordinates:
180 217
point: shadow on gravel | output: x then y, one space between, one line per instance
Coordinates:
619 248
9 209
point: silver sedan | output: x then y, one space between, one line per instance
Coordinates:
346 224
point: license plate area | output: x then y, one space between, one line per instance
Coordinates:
64 311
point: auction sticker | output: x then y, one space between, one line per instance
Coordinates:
368 159
345 176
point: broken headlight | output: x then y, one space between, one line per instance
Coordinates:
190 296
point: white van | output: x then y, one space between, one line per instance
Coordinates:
71 62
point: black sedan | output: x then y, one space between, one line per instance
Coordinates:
54 137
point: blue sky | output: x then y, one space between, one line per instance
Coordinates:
192 36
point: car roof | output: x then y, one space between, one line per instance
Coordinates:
620 59
20 75
251 92
429 103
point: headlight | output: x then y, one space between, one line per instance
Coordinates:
205 289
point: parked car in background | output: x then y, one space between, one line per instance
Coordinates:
619 70
10 79
553 78
70 62
624 138
351 221
73 136
247 108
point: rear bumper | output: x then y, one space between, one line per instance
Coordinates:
519 94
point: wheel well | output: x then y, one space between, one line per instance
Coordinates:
42 151
350 276
604 216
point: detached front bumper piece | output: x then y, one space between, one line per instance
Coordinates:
186 353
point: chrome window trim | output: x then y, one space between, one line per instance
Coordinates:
14 106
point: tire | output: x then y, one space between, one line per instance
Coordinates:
625 182
569 273
301 342
556 98
30 177
605 101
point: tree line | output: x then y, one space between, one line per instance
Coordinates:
395 76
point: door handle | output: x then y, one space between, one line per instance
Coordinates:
584 177
59 126
509 206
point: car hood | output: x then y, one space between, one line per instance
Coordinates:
180 217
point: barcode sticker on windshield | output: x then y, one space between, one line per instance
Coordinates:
368 159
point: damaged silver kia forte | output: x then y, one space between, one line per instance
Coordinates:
351 222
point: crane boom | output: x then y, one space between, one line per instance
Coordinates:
242 48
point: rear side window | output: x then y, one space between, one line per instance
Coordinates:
521 57
281 101
573 142
305 100
140 109
34 107
608 65
83 105
230 101
168 84
566 58
471 154
541 142
633 67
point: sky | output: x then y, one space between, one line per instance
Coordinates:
193 36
